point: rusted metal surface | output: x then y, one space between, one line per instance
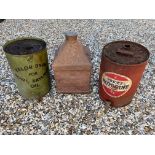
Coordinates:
121 69
28 60
72 66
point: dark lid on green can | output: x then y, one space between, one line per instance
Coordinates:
126 52
24 46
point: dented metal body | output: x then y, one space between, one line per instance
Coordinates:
118 82
72 66
30 69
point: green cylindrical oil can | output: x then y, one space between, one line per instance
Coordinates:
28 60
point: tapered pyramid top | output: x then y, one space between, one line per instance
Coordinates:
72 55
71 36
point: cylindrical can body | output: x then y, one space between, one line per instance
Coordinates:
31 71
118 82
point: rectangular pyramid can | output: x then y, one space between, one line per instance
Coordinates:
72 66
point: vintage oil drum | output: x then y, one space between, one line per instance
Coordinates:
121 69
29 63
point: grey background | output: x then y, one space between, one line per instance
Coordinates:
77 114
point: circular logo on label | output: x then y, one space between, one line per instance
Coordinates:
115 85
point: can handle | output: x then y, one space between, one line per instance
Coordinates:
125 50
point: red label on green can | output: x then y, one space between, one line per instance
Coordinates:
115 85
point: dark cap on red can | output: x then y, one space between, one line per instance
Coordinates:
126 52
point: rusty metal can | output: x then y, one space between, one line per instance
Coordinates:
29 63
72 66
121 69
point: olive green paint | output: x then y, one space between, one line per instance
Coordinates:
31 73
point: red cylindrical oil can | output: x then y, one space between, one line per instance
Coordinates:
121 69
